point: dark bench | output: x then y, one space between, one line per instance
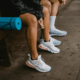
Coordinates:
5 49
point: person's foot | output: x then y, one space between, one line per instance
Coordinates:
38 64
57 32
48 46
54 41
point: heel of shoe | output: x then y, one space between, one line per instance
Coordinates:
28 64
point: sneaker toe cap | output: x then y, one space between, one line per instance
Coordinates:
63 33
56 50
47 68
58 33
56 42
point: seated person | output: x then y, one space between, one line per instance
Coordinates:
53 6
31 12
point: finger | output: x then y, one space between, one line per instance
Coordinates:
64 1
41 20
62 4
42 26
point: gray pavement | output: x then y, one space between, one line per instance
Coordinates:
65 65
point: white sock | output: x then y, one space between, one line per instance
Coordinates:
52 22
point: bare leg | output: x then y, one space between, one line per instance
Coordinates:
54 7
46 27
31 21
46 34
47 4
46 24
36 62
53 30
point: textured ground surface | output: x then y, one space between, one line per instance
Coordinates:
65 65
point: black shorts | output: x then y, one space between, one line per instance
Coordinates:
14 8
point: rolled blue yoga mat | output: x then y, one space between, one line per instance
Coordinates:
10 23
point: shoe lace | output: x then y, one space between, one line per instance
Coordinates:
42 61
58 30
51 44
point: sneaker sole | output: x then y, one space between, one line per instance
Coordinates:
49 49
57 35
38 69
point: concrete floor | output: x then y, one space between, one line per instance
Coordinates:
65 65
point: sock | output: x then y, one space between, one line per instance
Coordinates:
33 59
52 22
46 41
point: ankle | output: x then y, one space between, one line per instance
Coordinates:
46 39
34 57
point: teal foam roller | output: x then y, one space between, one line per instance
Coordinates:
10 23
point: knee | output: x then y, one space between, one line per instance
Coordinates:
28 19
45 11
48 4
33 21
55 2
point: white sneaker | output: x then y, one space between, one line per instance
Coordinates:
57 32
54 41
50 46
38 64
